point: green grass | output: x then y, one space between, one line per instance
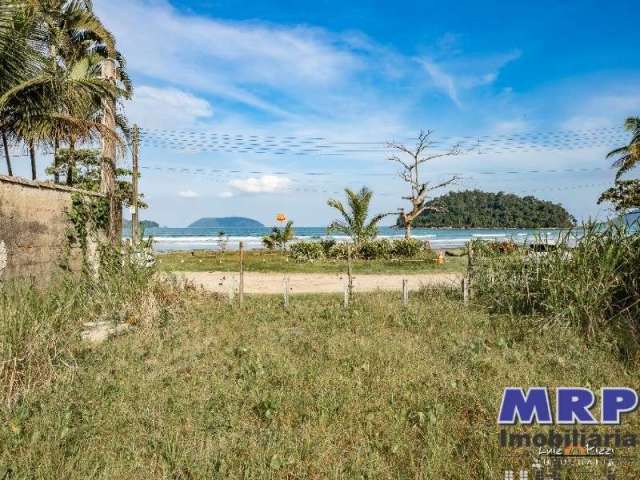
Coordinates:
263 261
594 284
209 390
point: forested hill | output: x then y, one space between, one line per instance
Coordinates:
226 222
477 209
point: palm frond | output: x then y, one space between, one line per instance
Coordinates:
354 221
629 155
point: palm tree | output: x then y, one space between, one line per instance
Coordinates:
5 147
89 68
21 44
52 106
279 237
628 155
61 98
354 222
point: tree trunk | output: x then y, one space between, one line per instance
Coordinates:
406 223
32 155
71 162
108 170
56 174
5 144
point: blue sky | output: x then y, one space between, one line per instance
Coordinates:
372 71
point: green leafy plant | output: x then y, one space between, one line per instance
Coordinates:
375 249
628 155
307 251
354 222
407 248
279 237
378 249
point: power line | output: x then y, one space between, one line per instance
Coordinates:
545 189
204 171
199 141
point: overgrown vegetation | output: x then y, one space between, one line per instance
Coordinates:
316 391
40 328
378 249
594 284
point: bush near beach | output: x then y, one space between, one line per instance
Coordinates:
593 284
376 249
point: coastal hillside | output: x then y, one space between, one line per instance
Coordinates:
226 222
477 209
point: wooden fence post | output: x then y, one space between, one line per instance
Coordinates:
405 292
286 292
349 269
346 295
241 289
232 290
465 290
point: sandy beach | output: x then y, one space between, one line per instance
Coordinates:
272 283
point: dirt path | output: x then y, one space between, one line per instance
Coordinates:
272 283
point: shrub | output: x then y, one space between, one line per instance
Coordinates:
380 249
307 251
375 249
327 244
407 248
495 246
40 325
594 282
339 251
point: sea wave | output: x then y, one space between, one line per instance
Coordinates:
176 240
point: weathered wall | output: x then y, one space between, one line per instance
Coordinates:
33 224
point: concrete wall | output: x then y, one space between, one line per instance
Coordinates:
33 226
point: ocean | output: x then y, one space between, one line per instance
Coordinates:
185 239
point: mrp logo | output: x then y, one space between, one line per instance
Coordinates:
573 406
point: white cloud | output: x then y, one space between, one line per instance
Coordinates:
511 126
238 61
225 194
442 80
602 110
466 73
586 122
263 184
188 194
167 108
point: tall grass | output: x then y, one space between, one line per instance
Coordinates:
40 326
593 282
314 391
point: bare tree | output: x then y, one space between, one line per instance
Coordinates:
410 161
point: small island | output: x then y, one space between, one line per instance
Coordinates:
477 209
226 222
142 223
